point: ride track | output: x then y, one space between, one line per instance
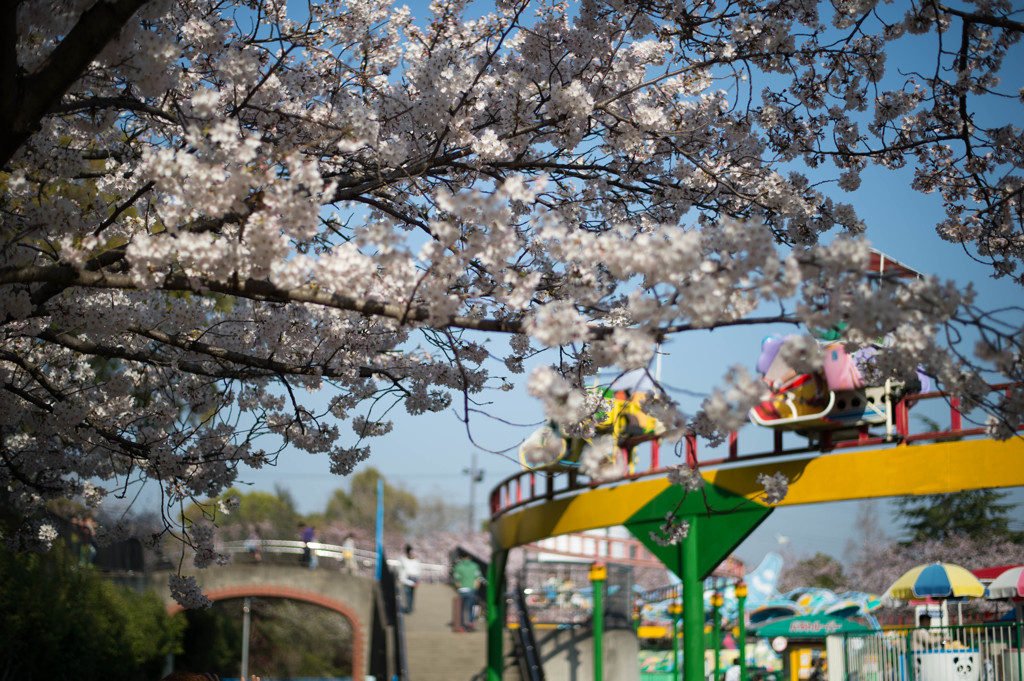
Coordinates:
534 505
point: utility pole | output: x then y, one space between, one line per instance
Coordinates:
246 618
475 475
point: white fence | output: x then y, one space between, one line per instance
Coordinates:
979 652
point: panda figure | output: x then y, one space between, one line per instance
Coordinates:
963 665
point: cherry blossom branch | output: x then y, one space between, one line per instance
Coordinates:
123 103
265 291
268 367
984 19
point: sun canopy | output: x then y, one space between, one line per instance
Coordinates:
939 580
1010 584
811 626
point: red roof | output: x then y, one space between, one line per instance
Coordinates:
990 573
883 264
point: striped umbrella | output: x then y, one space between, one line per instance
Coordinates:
1009 584
938 580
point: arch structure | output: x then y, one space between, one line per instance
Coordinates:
350 596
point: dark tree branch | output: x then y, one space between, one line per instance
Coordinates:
26 98
985 19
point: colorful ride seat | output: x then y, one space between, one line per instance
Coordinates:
800 399
625 420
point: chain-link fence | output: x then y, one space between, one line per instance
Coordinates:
561 593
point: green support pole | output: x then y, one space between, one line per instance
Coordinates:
496 614
675 609
741 623
716 632
598 575
693 605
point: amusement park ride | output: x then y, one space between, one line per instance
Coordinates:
856 442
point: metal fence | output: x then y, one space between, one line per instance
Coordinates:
976 652
560 593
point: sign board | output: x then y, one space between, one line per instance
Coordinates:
810 626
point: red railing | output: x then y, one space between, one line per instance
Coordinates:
529 487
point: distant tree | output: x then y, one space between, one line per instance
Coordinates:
881 566
974 513
875 561
67 508
357 508
61 621
820 571
436 514
862 549
295 640
289 640
236 513
273 514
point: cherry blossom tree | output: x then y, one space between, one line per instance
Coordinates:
820 571
212 208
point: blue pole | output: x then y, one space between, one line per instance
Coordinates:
380 527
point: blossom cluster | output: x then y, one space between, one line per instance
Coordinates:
187 592
672 531
775 487
688 478
602 459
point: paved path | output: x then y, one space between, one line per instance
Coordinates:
435 652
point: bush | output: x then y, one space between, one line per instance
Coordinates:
62 621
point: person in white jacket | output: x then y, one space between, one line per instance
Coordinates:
408 577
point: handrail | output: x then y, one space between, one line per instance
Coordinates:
429 572
393 608
529 657
534 486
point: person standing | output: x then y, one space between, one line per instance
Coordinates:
467 578
307 534
348 554
87 530
408 577
924 638
254 546
733 672
817 670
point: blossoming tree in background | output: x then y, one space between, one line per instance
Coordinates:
210 209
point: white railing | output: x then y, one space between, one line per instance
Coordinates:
329 556
978 652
